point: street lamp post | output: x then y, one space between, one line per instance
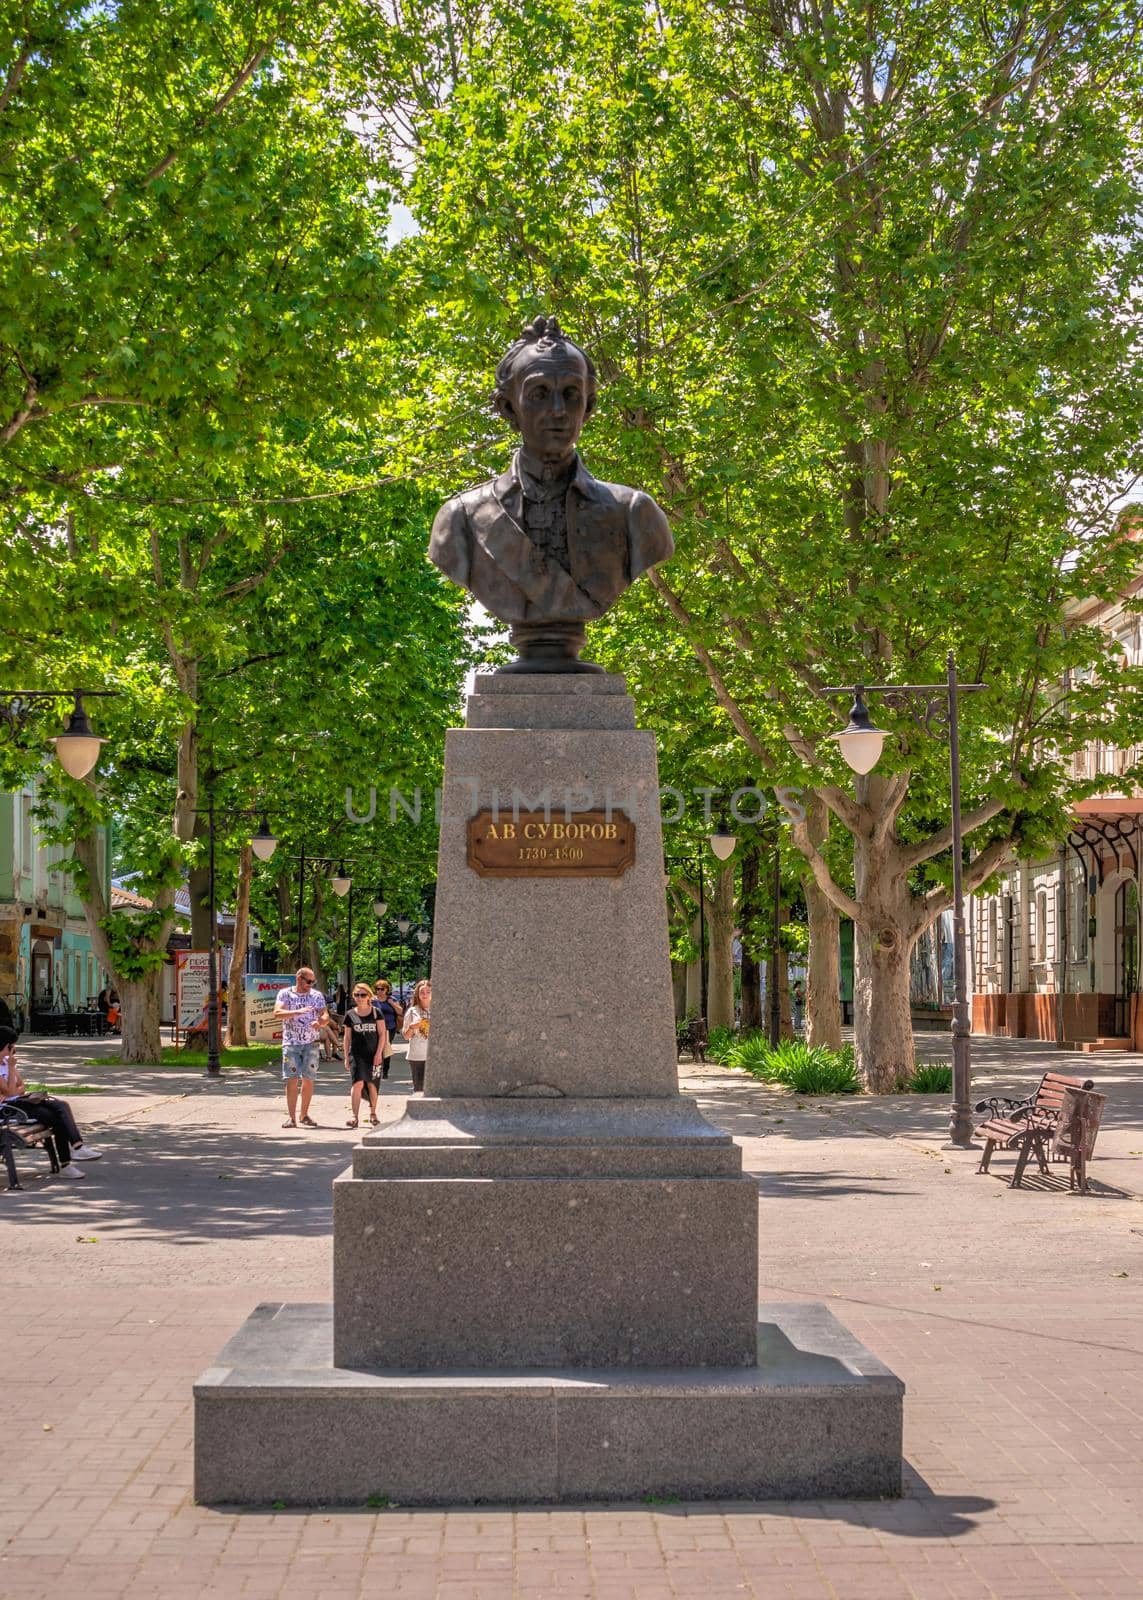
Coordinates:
722 842
349 941
264 844
773 998
403 926
340 882
380 906
77 747
930 705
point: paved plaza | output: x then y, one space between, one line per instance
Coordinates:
1014 1318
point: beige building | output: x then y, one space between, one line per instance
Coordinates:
1055 953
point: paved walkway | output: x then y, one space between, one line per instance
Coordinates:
1014 1318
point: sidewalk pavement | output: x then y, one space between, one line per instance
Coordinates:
1013 1316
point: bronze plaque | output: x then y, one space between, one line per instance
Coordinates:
582 844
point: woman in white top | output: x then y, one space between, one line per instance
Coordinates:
416 1030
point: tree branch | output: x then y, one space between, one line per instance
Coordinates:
939 898
800 833
15 73
926 849
721 693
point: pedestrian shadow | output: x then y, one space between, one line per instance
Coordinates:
790 1185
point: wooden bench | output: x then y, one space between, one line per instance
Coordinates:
19 1131
1045 1124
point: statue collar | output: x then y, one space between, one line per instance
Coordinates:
525 473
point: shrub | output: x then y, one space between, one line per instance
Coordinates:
750 1053
793 1063
719 1045
930 1077
825 1072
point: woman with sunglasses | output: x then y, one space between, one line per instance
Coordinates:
363 1043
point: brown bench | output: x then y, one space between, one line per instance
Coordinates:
19 1131
1061 1120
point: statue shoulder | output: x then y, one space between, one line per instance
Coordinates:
450 543
651 537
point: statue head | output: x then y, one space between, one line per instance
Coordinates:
545 389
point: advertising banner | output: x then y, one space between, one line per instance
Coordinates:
192 985
261 993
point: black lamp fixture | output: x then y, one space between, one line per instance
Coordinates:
860 742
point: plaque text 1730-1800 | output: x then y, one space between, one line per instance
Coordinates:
529 844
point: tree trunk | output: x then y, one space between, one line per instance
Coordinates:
751 1015
679 988
882 940
720 932
882 1020
694 988
287 934
139 1025
138 997
785 1014
823 980
198 888
236 985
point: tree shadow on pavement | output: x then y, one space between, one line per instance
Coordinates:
188 1186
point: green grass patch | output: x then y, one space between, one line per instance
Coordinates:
246 1057
66 1090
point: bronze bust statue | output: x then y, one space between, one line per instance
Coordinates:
546 547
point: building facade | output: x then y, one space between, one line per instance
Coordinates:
1055 952
46 955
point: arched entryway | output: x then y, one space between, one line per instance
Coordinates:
1126 953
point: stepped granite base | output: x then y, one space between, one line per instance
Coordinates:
275 1421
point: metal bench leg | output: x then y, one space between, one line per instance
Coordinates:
9 1160
1077 1173
1022 1161
989 1147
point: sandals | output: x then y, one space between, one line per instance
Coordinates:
308 1122
352 1123
374 1122
289 1123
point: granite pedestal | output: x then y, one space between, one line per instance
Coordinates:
817 1417
545 1275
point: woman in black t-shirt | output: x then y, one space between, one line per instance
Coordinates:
362 1045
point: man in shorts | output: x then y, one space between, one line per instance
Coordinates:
303 1013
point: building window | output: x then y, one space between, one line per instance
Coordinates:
1078 912
1041 945
993 946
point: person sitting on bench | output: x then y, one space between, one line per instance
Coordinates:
45 1109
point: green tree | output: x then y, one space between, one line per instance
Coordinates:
861 288
195 303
